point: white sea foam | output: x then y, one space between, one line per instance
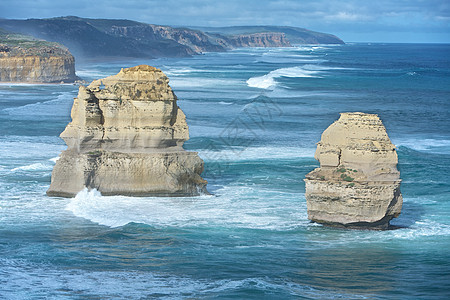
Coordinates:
94 73
232 206
33 167
173 71
426 145
257 153
317 47
268 81
420 229
59 106
197 82
30 148
54 159
235 206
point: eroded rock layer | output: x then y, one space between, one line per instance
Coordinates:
24 59
126 138
357 184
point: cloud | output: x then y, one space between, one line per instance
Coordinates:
347 17
330 16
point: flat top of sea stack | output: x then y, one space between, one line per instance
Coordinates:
135 74
140 83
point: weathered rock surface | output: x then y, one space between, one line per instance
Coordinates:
24 59
357 184
126 138
261 39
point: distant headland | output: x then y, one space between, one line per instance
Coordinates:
97 39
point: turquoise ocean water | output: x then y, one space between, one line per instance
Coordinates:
254 117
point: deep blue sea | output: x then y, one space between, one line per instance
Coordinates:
255 116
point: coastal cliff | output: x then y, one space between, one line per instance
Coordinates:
109 38
357 184
24 59
126 138
262 39
293 35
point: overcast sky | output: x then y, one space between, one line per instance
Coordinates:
351 20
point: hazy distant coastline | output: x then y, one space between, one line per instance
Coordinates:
106 38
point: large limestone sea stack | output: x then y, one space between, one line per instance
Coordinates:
357 184
126 138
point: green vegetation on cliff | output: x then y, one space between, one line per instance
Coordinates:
15 44
26 59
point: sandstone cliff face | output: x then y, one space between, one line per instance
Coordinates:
24 59
196 40
126 138
263 39
37 69
357 184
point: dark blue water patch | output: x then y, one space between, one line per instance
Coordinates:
423 173
283 175
392 56
32 128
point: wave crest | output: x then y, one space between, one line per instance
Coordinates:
268 81
232 206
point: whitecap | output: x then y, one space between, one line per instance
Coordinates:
171 71
32 167
30 148
424 144
196 82
268 81
232 206
59 106
54 159
420 229
94 73
257 153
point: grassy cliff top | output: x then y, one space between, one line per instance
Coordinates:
15 44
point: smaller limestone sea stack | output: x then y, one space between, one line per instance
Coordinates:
126 138
357 184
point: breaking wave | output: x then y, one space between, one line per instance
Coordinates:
268 81
232 206
425 145
33 167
